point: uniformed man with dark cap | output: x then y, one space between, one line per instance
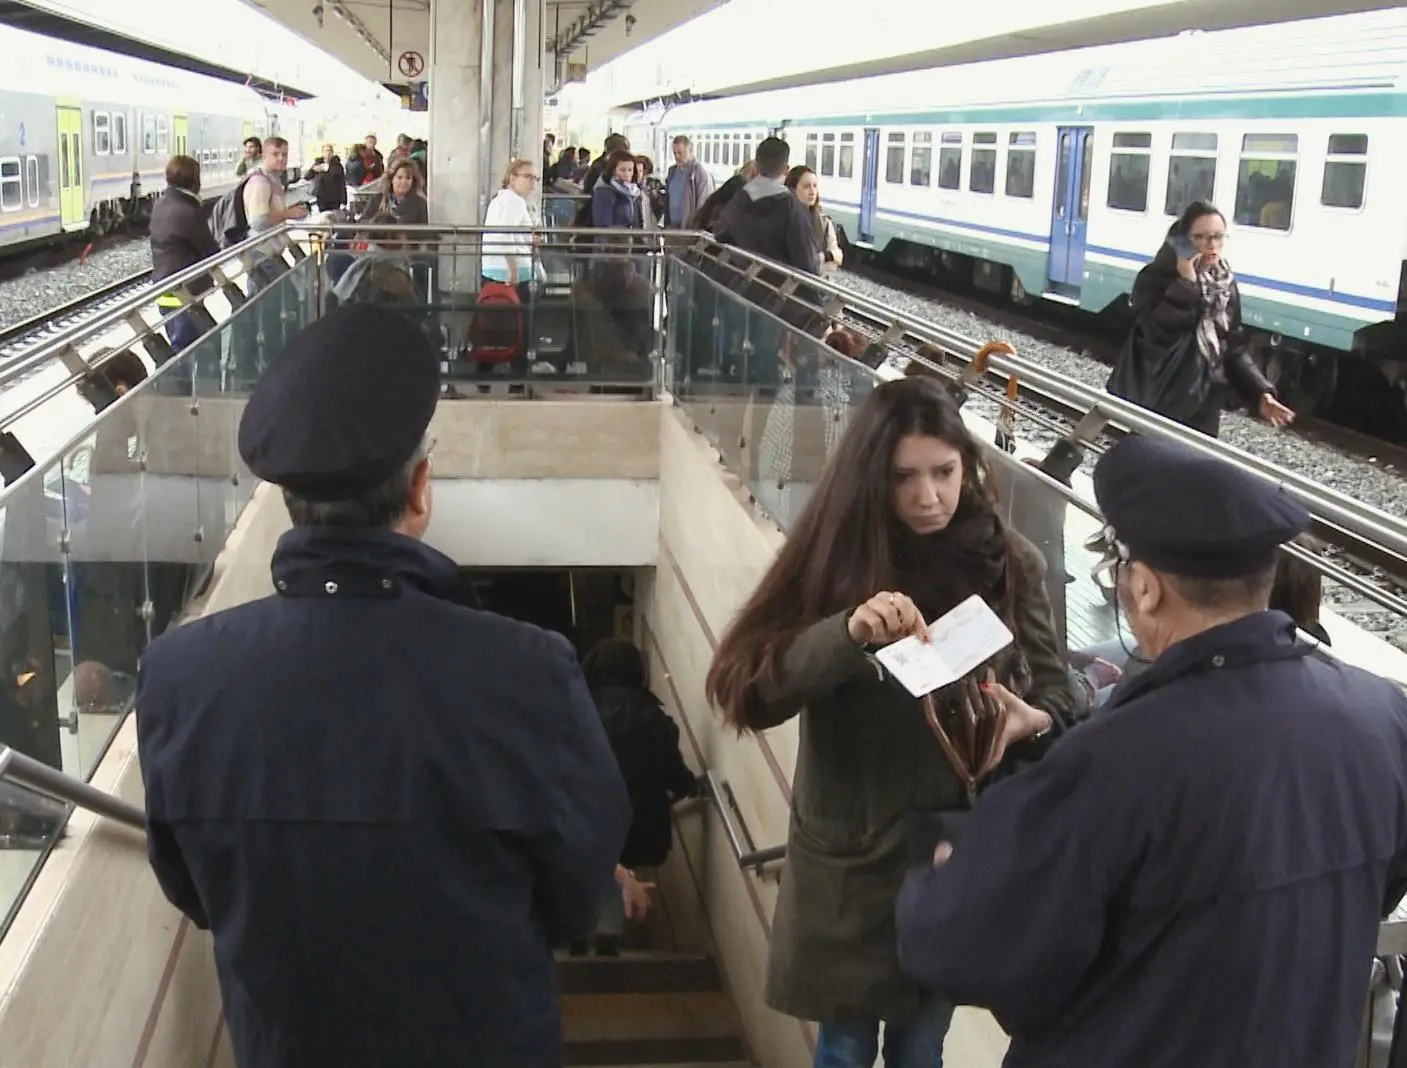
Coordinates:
1194 879
386 806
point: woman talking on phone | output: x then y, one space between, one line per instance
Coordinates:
1187 350
902 527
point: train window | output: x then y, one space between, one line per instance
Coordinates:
982 171
148 135
11 185
813 150
921 163
828 154
1021 165
31 179
64 166
102 133
163 135
119 133
950 161
846 167
1191 171
1265 181
737 150
894 159
1345 171
1130 164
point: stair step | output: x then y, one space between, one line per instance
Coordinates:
638 973
674 1052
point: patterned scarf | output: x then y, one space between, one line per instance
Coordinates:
1214 320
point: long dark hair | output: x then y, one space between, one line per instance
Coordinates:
838 555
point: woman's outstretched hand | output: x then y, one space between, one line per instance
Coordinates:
886 617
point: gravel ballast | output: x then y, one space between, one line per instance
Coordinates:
44 289
1384 488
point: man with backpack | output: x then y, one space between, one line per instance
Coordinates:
255 205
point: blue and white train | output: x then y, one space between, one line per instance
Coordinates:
1056 177
85 134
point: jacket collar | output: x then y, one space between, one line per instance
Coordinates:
1259 638
338 562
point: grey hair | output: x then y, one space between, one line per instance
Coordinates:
382 507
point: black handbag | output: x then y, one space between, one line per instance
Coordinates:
1173 381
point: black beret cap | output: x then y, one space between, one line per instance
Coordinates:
344 406
1185 513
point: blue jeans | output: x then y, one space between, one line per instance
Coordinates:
917 1043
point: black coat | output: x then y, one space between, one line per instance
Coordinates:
329 186
1193 878
646 745
386 806
1167 306
180 236
770 221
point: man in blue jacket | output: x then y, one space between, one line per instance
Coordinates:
386 805
1194 878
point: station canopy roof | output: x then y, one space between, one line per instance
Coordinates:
389 40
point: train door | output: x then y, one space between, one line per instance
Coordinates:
1074 160
869 182
180 136
72 209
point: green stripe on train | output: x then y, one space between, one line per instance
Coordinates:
1340 104
1106 284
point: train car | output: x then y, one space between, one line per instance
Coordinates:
1056 177
85 134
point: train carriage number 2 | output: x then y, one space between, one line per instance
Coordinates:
22 135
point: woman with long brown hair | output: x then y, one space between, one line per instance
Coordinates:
900 529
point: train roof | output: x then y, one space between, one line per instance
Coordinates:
36 63
1365 53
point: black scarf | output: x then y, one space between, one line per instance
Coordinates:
941 570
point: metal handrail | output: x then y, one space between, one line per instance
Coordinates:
54 347
1352 518
1373 528
51 782
749 857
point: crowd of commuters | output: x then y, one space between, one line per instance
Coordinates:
1152 822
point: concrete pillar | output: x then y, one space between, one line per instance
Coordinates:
501 136
456 77
534 84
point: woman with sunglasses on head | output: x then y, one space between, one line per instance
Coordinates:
902 527
1188 349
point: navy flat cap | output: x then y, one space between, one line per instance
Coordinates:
344 407
1185 513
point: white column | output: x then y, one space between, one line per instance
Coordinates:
501 133
456 76
534 82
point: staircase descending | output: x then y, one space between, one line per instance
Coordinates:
662 1002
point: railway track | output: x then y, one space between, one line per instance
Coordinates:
1373 593
20 339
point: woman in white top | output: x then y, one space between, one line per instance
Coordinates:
508 258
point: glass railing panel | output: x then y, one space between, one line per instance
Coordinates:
282 300
1043 512
810 408
34 616
584 315
30 825
100 481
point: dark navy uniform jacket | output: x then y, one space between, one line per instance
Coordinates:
1193 880
385 805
